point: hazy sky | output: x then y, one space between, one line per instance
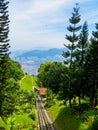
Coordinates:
43 23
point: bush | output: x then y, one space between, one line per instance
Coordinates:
95 124
32 115
80 108
2 128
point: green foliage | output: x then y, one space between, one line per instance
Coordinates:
43 73
16 100
71 54
81 77
11 91
91 70
22 122
83 40
10 71
54 76
95 33
73 118
50 98
15 70
3 124
10 122
26 100
50 75
10 98
32 114
4 48
25 104
95 124
73 28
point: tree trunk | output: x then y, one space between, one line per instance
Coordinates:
92 97
95 102
74 99
70 105
79 100
93 89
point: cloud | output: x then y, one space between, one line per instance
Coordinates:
40 22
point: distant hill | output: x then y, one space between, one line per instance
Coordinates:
42 53
31 60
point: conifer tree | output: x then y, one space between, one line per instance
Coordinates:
70 54
4 48
95 33
80 59
92 67
83 42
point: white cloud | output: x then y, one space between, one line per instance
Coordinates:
36 22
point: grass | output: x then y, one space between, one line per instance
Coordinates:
63 117
23 122
28 82
34 81
55 109
70 119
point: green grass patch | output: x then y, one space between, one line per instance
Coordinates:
28 82
71 119
23 122
34 81
22 119
63 117
55 109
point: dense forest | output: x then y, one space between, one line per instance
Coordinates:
76 77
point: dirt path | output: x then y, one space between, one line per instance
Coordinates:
22 79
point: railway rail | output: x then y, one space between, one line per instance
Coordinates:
44 121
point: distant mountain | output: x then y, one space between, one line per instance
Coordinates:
31 60
15 54
42 53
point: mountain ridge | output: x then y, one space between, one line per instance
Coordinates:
31 60
42 53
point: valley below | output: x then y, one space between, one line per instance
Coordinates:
31 60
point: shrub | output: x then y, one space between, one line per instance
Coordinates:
32 115
2 128
95 124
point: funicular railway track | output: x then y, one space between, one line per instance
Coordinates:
44 122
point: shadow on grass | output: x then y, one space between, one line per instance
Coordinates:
72 118
67 120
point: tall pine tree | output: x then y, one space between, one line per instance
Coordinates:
80 60
73 39
4 48
92 67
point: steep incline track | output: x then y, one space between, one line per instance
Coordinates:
44 121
